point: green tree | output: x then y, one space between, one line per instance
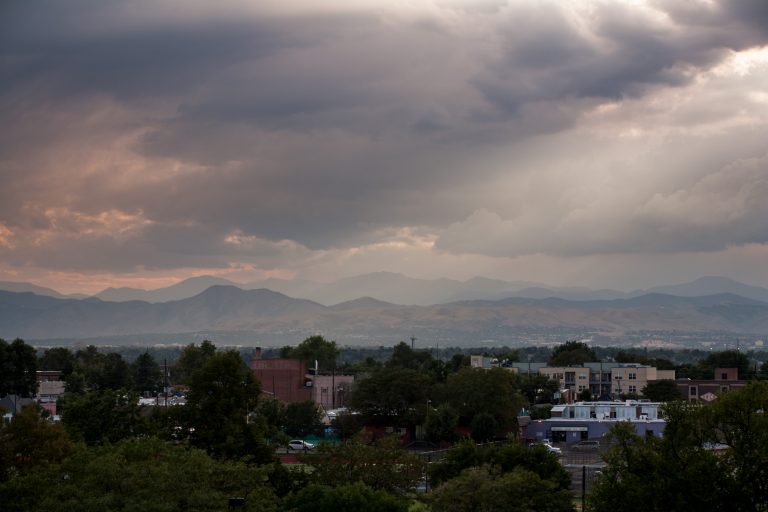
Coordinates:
662 390
390 395
459 361
712 457
484 427
29 441
382 465
146 374
488 490
403 356
538 388
353 497
314 348
221 395
102 417
272 411
303 419
572 353
18 367
58 359
474 391
115 373
191 359
441 424
347 425
139 474
739 420
467 454
726 359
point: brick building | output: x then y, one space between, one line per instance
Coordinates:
725 380
284 379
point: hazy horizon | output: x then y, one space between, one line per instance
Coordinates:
578 143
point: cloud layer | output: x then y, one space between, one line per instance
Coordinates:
150 139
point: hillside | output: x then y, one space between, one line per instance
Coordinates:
267 315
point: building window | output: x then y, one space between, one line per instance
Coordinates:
581 387
723 376
582 376
632 376
633 389
692 391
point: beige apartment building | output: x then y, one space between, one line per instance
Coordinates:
602 379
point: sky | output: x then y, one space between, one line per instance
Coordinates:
612 144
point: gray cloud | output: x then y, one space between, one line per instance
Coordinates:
240 134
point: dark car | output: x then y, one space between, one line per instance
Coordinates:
586 446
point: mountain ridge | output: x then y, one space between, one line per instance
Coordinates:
266 314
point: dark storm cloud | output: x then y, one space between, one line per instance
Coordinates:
327 128
547 57
74 53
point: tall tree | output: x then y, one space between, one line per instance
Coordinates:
727 359
662 390
382 465
221 395
58 359
18 367
474 391
572 353
403 356
100 417
315 348
146 374
303 419
441 424
504 459
29 441
353 497
115 373
191 359
396 395
538 388
712 457
139 474
488 490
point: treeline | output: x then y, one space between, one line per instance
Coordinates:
110 453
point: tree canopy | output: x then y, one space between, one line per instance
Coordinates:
572 353
494 392
18 367
662 390
712 457
139 474
221 395
314 348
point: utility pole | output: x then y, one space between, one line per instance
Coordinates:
413 342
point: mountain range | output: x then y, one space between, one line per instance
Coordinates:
269 318
400 289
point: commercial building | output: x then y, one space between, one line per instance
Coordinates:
726 379
604 380
288 380
581 421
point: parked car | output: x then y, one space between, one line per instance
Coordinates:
550 448
299 445
586 446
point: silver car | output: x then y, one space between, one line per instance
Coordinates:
299 445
